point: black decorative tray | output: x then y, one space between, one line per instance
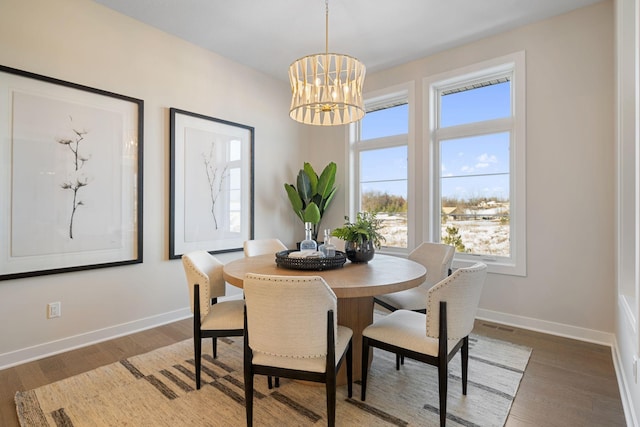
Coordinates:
283 260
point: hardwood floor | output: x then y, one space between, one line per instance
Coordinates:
38 373
567 382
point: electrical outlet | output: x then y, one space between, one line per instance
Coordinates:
54 309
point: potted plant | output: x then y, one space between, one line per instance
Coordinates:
361 237
313 194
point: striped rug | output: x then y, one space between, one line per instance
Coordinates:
158 389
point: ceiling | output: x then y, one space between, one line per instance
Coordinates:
269 35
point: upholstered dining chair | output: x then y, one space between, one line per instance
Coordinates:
262 247
436 258
435 337
211 319
299 340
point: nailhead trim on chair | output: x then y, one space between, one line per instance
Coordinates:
431 316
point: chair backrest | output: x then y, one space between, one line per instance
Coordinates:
263 247
204 269
287 315
338 243
436 258
461 291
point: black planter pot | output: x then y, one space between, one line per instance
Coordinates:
359 253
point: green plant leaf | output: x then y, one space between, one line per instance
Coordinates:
311 214
304 187
294 198
326 180
313 177
365 227
307 202
328 200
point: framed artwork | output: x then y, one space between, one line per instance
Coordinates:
211 184
70 176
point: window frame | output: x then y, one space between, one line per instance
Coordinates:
396 95
514 66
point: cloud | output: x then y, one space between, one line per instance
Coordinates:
485 160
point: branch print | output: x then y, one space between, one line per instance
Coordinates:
75 186
214 175
77 180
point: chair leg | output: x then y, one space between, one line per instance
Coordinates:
399 361
197 334
443 361
365 368
248 395
197 345
442 390
464 354
350 369
248 373
270 382
331 399
215 347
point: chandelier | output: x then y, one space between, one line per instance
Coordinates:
327 87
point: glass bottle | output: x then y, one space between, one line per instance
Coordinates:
308 243
322 248
329 247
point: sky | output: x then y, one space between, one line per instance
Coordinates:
470 167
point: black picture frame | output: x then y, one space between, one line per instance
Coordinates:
211 201
71 186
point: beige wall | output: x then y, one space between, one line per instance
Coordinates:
570 172
570 286
83 42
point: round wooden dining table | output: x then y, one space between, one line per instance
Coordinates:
355 285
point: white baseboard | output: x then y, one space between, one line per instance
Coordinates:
40 351
552 328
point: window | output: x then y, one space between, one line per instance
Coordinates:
234 186
379 155
477 163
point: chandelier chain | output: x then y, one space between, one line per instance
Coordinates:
326 26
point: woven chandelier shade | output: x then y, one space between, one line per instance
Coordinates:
326 87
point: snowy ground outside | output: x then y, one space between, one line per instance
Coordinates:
479 236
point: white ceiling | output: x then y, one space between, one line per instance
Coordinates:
270 34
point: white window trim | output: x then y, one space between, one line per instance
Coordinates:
406 92
517 263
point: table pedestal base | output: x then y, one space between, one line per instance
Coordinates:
357 314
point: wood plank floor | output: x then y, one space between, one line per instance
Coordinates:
567 382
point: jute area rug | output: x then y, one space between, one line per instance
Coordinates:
158 389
